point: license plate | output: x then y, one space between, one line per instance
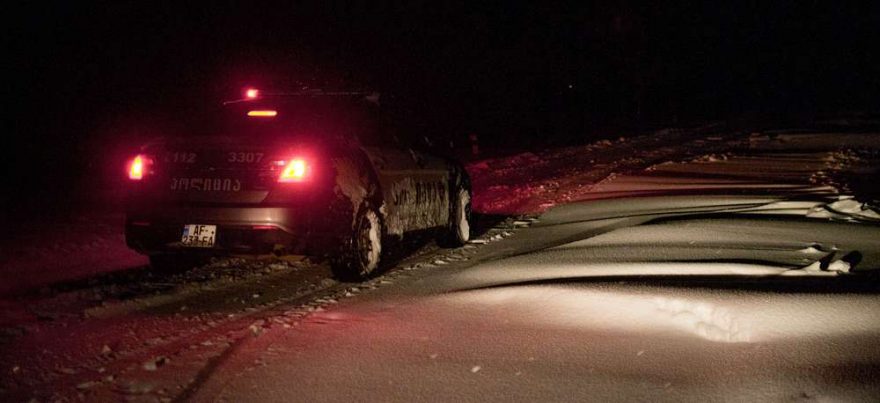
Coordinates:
199 236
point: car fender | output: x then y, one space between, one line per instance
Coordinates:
355 182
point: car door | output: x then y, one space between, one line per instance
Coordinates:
398 175
415 186
432 189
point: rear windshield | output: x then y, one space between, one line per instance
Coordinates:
313 116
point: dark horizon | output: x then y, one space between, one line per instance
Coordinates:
105 76
724 58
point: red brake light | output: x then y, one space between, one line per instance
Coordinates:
295 170
251 93
138 167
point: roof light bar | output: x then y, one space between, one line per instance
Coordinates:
263 113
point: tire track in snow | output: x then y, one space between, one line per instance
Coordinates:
189 329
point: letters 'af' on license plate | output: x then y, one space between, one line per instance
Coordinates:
198 235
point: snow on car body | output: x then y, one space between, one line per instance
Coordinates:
313 172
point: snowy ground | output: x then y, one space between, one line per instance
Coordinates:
96 324
532 182
463 332
88 244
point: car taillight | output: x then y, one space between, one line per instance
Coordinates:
295 170
139 166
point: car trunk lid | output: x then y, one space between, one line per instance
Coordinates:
217 170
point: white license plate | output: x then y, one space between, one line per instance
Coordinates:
198 235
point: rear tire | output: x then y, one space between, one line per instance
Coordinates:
458 230
361 255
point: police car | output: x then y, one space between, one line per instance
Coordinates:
312 172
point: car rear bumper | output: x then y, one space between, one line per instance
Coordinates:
239 229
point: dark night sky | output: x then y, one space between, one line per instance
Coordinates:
489 65
92 75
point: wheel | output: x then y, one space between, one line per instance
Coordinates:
458 230
361 256
174 262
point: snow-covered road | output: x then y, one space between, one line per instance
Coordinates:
504 325
140 334
89 330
